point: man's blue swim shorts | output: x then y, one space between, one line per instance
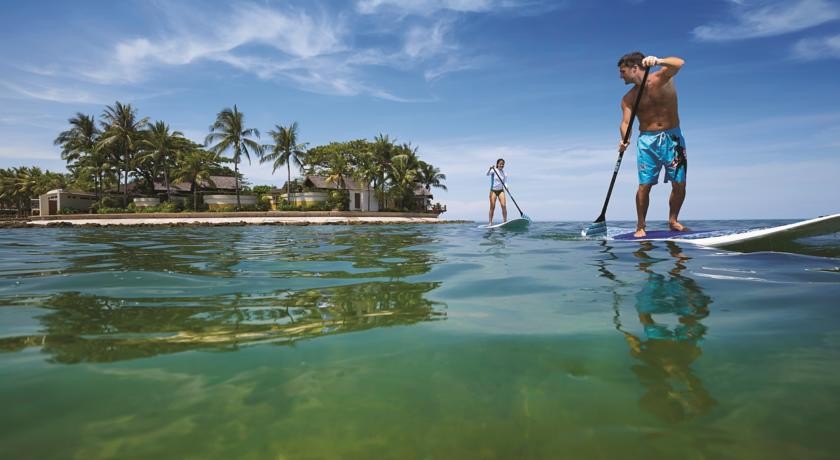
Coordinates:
658 149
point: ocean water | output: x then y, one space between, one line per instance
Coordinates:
403 342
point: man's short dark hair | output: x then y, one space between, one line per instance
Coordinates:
631 59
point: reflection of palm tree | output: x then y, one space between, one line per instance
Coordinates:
377 292
674 392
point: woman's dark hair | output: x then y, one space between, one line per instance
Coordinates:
502 160
631 59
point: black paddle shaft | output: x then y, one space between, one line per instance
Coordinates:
627 134
508 191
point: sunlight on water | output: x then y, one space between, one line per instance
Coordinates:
439 341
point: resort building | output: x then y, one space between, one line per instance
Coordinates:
316 190
60 200
218 192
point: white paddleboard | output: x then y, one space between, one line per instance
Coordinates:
513 224
763 239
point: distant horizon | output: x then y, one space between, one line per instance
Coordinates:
532 81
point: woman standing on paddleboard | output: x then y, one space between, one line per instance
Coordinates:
498 181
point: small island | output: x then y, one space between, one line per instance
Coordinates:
127 170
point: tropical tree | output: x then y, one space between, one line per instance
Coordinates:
429 176
78 149
8 199
160 149
403 174
19 185
367 171
337 169
122 133
229 133
383 153
195 166
285 151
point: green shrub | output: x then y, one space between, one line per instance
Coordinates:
110 202
71 211
339 200
104 210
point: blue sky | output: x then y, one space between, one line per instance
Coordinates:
467 81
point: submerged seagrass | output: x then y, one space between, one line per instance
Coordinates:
412 341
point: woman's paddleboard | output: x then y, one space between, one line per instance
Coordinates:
513 224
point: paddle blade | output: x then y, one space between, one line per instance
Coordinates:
595 229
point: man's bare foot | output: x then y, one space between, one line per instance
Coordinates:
640 233
678 227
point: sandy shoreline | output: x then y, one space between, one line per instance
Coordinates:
227 219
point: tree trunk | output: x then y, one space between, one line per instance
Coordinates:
166 180
125 182
236 179
288 181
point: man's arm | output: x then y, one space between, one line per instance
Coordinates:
625 122
670 66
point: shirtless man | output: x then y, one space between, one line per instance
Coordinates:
660 142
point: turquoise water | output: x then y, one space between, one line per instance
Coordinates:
431 341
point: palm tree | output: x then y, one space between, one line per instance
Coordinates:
9 196
160 149
195 166
383 152
431 176
285 151
229 132
78 149
403 173
122 134
19 185
337 169
367 170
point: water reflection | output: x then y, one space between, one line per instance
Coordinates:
250 300
670 307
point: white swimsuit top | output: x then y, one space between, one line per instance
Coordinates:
494 180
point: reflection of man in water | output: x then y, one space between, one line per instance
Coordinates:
666 353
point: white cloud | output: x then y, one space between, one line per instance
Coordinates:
403 8
810 49
55 93
313 52
421 42
769 19
425 7
297 36
20 155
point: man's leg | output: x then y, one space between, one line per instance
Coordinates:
642 202
503 202
492 206
676 202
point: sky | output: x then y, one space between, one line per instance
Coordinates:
466 82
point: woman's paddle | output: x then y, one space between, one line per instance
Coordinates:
509 194
600 225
